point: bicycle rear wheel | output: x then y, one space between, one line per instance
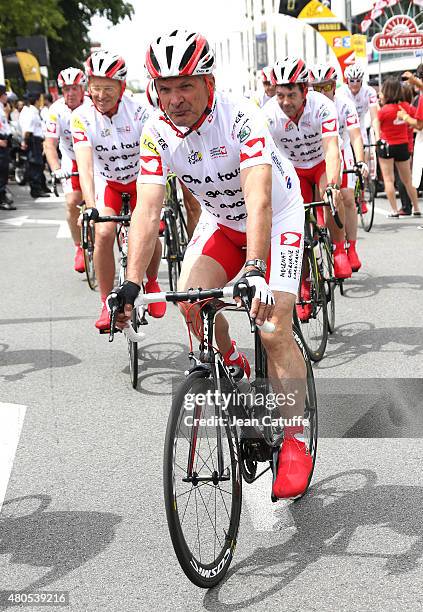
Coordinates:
328 278
202 482
366 205
89 259
314 325
133 351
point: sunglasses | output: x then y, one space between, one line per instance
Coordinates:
327 88
354 80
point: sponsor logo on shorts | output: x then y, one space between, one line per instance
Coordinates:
218 152
291 239
256 145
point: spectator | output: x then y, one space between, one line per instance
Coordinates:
405 210
6 200
44 112
32 142
393 145
415 120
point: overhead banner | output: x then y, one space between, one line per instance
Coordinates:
335 33
29 66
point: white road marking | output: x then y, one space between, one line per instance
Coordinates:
11 422
264 514
63 231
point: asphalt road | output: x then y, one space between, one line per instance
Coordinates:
83 510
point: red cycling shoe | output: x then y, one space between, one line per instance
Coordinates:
234 358
103 321
304 311
353 258
79 263
158 309
341 264
294 468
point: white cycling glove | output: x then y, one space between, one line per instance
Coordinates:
257 283
60 174
363 168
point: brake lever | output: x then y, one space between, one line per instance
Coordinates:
113 315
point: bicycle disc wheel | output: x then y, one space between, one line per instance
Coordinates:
89 260
172 251
310 408
329 279
314 325
367 205
202 482
133 351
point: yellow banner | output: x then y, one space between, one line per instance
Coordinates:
358 43
29 66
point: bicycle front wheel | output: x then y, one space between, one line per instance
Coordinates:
329 279
172 251
89 259
133 351
366 208
202 482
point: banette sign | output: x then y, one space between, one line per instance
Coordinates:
400 33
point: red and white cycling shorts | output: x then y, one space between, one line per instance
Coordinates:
227 246
109 194
71 184
348 180
310 177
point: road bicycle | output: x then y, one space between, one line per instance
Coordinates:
318 276
219 431
175 231
364 196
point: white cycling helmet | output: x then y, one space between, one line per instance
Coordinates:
355 71
288 71
71 76
266 74
106 64
151 93
180 53
322 73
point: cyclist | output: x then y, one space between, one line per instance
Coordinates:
323 79
364 98
221 149
106 139
304 126
72 83
269 89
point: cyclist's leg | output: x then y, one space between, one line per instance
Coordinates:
193 209
387 169
405 176
108 203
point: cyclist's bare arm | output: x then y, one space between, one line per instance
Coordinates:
333 159
145 221
84 159
357 143
50 151
256 183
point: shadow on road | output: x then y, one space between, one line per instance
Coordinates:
326 521
61 541
36 359
364 285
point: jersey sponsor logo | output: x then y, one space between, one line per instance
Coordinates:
51 128
291 239
288 182
256 145
79 136
194 157
323 112
277 162
52 117
244 132
329 126
218 152
352 120
151 165
289 125
149 145
77 124
105 133
123 129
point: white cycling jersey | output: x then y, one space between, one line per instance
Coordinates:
30 121
347 118
58 125
209 161
364 100
302 143
115 141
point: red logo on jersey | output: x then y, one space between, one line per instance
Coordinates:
329 126
352 120
79 137
291 239
51 128
256 145
151 165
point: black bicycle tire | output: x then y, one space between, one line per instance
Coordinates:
185 557
315 354
367 220
329 275
172 251
133 352
89 260
310 410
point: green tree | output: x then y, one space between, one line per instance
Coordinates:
23 18
70 45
